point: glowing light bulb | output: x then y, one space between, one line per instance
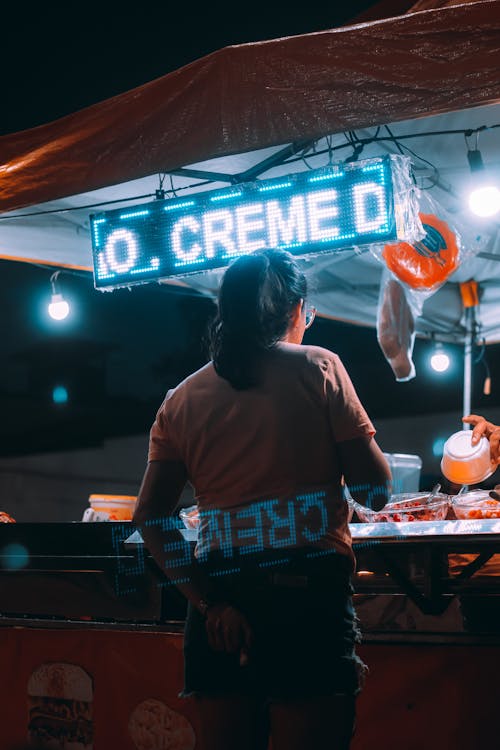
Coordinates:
58 307
485 201
440 361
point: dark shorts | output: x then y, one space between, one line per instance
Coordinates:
304 626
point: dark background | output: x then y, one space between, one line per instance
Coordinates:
56 59
118 352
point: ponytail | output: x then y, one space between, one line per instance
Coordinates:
256 298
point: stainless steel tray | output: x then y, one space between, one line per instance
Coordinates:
415 530
409 531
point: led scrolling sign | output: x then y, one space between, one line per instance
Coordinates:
311 212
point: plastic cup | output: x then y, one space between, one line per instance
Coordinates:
118 507
464 463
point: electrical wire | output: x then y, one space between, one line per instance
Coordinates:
379 139
481 357
400 146
330 151
357 146
353 141
313 147
172 189
75 208
395 141
102 203
160 192
358 143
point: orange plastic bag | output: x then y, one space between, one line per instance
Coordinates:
427 263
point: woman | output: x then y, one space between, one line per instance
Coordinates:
267 432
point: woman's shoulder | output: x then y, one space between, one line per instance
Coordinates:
309 354
199 377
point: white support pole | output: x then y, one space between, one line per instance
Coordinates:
469 341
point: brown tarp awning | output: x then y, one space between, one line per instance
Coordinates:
251 96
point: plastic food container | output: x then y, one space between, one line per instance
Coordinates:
407 506
405 470
476 504
190 517
117 507
464 463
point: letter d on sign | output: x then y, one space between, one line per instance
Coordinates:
365 195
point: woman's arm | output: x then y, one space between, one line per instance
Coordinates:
160 490
362 463
366 471
161 487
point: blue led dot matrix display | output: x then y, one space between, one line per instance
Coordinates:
316 211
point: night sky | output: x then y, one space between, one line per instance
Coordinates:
55 62
118 353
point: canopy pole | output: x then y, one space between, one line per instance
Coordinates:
470 299
467 393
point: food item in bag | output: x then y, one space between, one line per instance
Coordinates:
395 330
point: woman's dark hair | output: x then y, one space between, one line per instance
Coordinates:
256 298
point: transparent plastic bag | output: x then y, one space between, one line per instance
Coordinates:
190 517
396 327
406 200
406 204
425 264
413 271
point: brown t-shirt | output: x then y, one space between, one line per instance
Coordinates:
263 461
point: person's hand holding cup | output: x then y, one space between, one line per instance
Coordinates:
483 428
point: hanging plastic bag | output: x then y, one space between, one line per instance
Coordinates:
424 265
396 327
413 271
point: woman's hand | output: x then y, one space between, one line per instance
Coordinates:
228 630
483 428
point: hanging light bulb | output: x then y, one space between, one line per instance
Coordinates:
484 198
485 201
58 307
440 361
